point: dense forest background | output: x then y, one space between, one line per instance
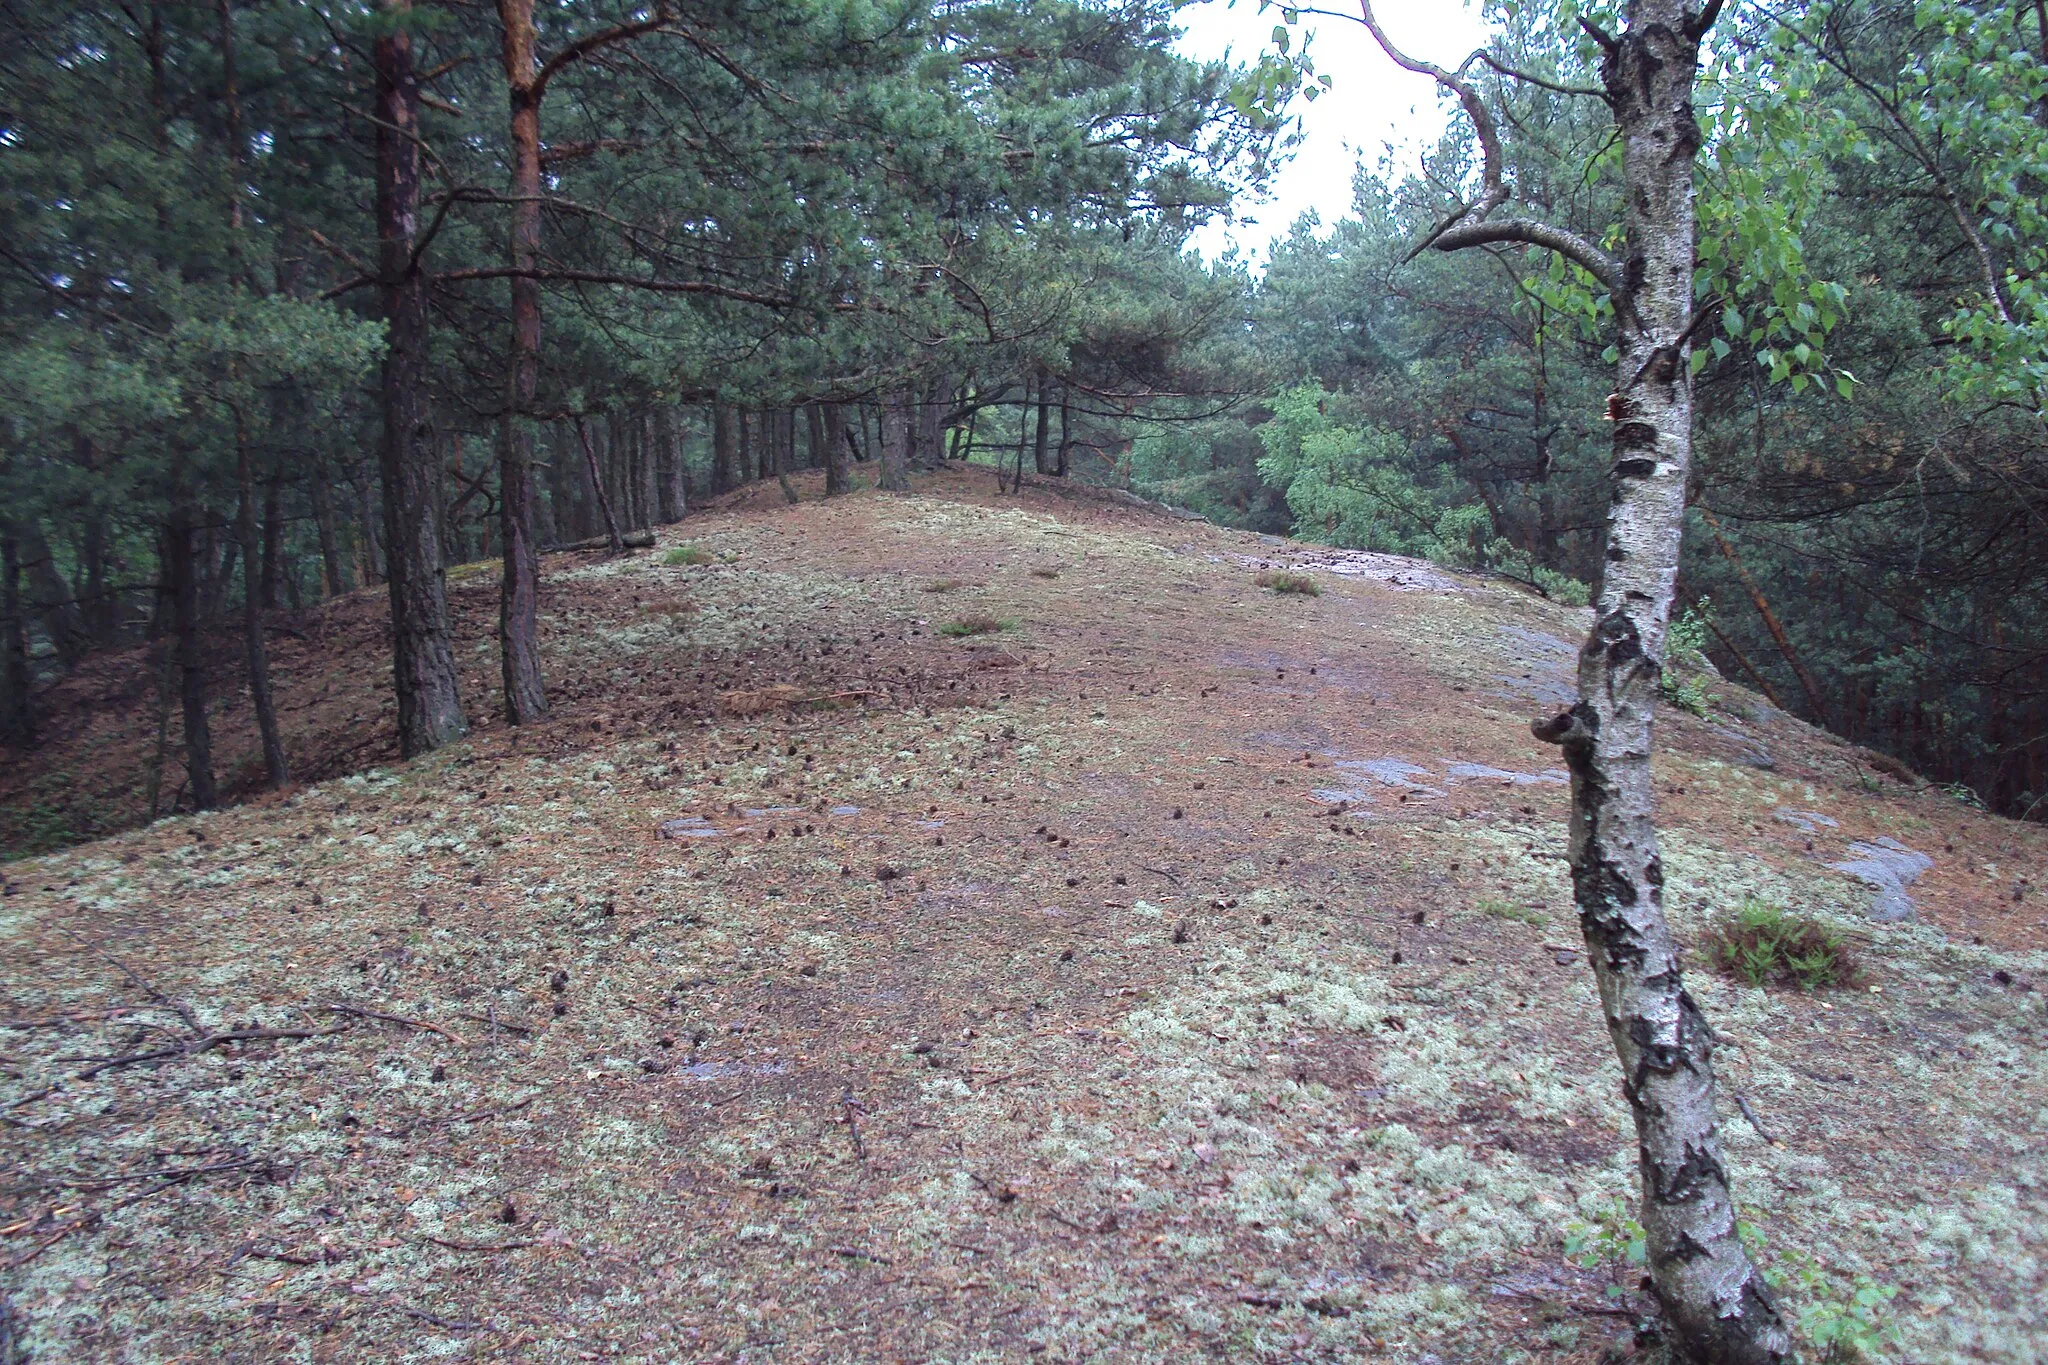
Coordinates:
301 298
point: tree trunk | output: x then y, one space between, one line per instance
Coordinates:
895 444
1717 1304
333 568
62 620
369 519
838 451
17 714
273 539
1066 437
1772 623
181 563
254 585
670 502
423 662
723 454
100 608
526 698
604 502
1041 447
931 414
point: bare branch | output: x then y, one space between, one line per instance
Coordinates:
1564 242
1493 189
1504 69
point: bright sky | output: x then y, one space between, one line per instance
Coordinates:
1371 103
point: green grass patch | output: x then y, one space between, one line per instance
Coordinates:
1285 583
688 553
1520 914
1765 944
963 626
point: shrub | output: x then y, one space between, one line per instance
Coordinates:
1281 581
688 553
964 626
1762 943
1559 587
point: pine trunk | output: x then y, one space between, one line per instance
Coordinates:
896 430
526 698
670 502
254 585
423 662
17 713
1041 446
181 563
722 452
838 451
333 568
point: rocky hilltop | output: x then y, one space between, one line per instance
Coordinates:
963 928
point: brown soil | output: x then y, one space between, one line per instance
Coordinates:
1069 992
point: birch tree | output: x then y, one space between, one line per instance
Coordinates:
1718 1305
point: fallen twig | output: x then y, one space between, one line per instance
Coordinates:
1742 1103
856 1254
1161 872
480 1246
423 1315
423 1025
205 1044
524 1030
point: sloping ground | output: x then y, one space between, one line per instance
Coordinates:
1184 971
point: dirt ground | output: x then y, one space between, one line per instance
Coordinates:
1179 970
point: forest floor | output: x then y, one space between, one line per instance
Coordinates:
1179 970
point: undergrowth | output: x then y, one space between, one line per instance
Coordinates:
1283 582
1765 944
963 626
1843 1323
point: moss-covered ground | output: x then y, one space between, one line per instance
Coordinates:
1181 972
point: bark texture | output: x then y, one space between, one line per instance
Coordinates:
896 438
838 452
17 718
182 567
1716 1302
526 698
423 663
275 773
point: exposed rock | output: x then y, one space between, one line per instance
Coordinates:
1887 867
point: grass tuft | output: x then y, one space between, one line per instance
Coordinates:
1281 581
1521 914
1765 944
963 626
688 553
944 585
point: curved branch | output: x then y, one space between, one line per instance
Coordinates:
1493 191
583 47
1528 232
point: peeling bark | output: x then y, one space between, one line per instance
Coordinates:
1715 1299
1717 1304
